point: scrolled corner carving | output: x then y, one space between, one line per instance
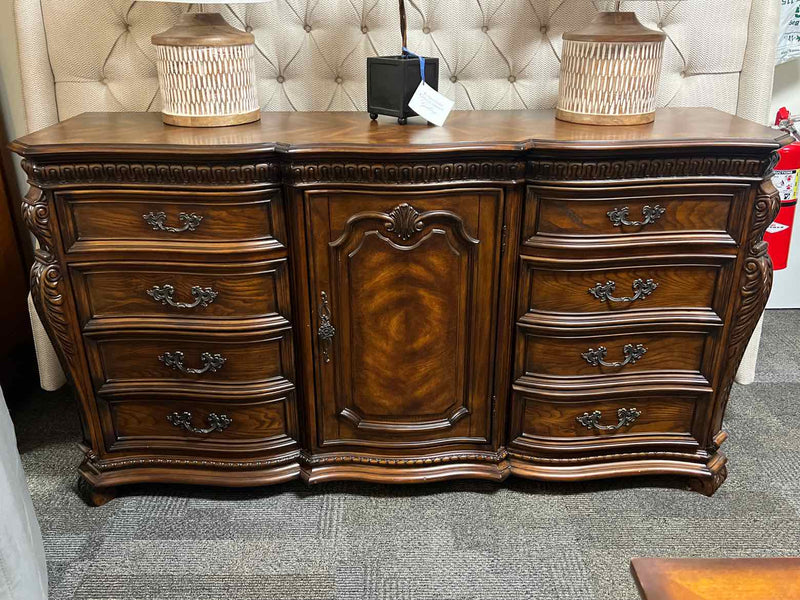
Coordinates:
46 276
36 216
755 284
47 291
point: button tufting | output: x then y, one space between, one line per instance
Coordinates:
544 29
280 79
426 29
485 28
453 78
683 73
339 80
511 79
307 27
364 29
661 25
248 28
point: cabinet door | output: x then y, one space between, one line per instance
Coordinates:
404 288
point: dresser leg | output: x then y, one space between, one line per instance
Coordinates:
95 496
710 484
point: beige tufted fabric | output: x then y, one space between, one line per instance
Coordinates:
90 55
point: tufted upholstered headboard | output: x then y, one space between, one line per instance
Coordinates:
89 55
96 55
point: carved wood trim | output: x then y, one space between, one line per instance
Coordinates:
389 461
641 168
755 285
53 174
388 171
105 465
391 172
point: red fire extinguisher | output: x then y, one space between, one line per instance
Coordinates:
785 178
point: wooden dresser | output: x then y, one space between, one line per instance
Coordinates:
325 297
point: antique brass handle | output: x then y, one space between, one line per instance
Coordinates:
211 362
156 220
203 296
326 329
596 358
625 417
650 214
642 289
215 422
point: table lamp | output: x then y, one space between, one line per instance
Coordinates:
206 70
610 71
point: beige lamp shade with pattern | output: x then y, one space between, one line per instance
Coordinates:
610 71
206 70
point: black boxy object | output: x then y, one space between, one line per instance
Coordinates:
392 81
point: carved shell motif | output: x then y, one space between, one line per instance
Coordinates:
404 221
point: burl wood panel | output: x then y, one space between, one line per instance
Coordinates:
118 215
411 277
565 288
243 291
121 358
546 356
566 213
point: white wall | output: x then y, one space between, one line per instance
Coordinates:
786 92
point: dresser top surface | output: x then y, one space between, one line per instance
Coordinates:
321 132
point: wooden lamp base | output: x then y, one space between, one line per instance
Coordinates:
610 71
206 72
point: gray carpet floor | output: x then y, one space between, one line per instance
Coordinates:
465 540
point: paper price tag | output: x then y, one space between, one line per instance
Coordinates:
430 104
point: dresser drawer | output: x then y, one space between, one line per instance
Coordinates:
202 424
167 219
619 288
609 355
558 216
182 291
178 359
624 419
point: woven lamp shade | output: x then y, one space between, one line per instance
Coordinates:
206 72
610 71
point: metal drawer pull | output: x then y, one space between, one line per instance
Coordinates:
203 296
642 289
650 214
626 417
190 221
596 358
326 329
211 362
215 422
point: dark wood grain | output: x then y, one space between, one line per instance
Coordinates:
131 359
456 263
336 132
565 288
549 420
92 217
119 290
561 356
569 214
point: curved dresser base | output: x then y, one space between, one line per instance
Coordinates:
100 486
